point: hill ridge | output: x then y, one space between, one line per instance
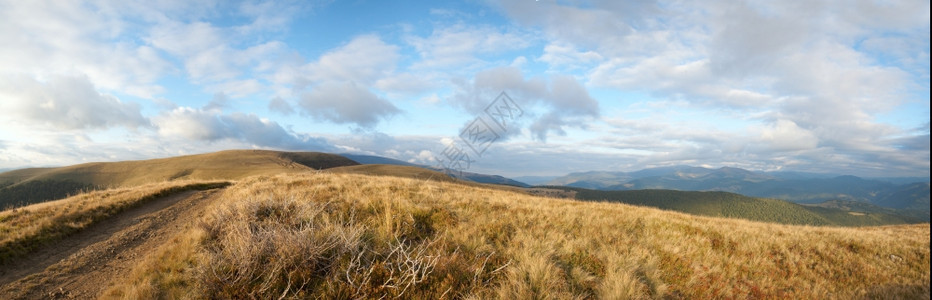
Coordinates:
53 183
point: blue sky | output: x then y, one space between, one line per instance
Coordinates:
815 86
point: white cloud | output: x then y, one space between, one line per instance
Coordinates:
610 28
273 15
127 46
65 102
787 136
403 147
813 75
406 83
460 45
210 53
364 59
46 38
769 84
186 39
192 124
346 103
564 100
212 126
237 87
566 55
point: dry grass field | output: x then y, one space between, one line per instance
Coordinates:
26 228
330 236
395 170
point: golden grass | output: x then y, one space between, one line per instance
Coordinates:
26 228
393 170
223 165
352 236
423 174
165 274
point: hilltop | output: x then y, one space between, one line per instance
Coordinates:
329 235
40 184
230 164
34 185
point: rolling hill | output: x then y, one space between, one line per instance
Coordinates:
33 185
795 187
471 176
730 205
40 184
909 200
484 178
377 160
393 170
349 236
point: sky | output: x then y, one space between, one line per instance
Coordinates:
811 86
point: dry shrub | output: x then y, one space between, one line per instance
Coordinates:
281 245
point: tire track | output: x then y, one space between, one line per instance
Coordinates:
84 264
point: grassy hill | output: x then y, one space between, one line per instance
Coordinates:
413 172
730 205
476 177
489 179
420 173
326 235
383 236
377 160
908 196
41 184
910 200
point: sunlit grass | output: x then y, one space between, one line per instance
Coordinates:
352 236
26 228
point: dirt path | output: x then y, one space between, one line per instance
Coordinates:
83 265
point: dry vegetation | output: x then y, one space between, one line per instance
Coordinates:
26 228
223 165
353 236
36 185
395 170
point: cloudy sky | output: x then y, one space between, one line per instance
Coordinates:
816 86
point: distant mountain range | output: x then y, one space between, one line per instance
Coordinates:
910 199
731 205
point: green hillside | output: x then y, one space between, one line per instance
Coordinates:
730 205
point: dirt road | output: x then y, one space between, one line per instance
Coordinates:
83 265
